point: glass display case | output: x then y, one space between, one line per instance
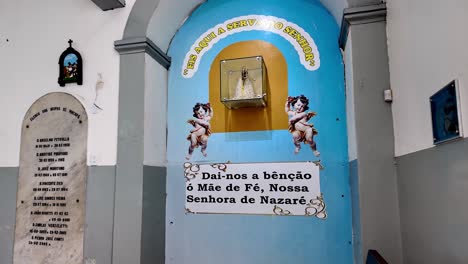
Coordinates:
243 82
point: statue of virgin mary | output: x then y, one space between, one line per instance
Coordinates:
244 88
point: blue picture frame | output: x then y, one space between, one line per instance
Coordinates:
445 114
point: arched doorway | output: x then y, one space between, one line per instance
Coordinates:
165 38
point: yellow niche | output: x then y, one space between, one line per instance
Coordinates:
271 117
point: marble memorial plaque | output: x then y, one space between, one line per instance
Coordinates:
50 203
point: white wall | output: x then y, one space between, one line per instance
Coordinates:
427 49
167 19
155 113
335 7
37 33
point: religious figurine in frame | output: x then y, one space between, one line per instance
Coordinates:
244 88
70 66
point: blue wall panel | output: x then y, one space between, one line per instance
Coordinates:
211 239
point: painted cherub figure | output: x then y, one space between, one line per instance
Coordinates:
198 136
301 131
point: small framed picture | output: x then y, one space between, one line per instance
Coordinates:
445 113
70 66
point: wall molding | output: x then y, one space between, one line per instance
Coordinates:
142 44
374 134
153 224
360 15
